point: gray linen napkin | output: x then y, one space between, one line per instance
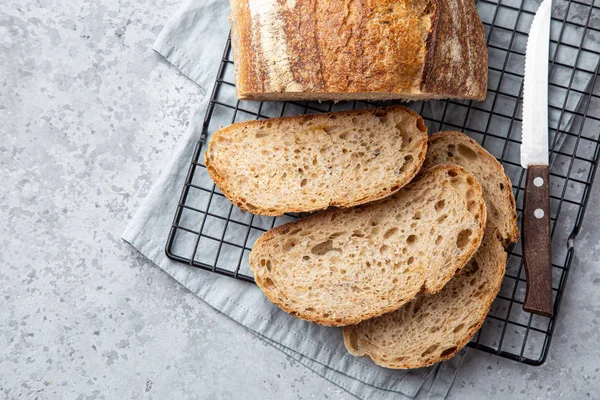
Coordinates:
193 41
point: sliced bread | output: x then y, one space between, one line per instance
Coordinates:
343 266
433 328
311 162
457 148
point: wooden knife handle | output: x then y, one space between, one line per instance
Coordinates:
536 241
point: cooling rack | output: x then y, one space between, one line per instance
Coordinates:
208 232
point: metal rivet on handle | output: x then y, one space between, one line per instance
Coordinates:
539 213
538 181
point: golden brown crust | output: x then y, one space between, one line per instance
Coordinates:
459 262
225 184
456 61
349 49
456 137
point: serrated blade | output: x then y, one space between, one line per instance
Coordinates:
534 147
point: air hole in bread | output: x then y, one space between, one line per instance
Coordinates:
450 154
410 260
250 207
411 239
267 283
452 173
438 240
448 352
417 215
310 310
501 186
293 231
472 206
467 152
335 235
261 134
323 248
389 233
384 249
442 218
463 238
417 304
269 265
430 350
358 234
470 181
306 258
408 158
303 182
440 205
459 328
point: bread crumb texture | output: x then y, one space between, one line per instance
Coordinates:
343 266
311 162
433 328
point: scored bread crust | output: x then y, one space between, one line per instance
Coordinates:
479 282
447 147
270 270
350 50
406 132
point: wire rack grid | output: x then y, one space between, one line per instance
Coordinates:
210 233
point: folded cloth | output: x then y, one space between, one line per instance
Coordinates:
193 41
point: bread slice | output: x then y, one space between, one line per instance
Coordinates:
433 328
457 148
343 266
311 162
349 50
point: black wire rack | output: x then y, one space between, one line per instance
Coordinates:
210 233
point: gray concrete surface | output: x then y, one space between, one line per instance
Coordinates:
88 117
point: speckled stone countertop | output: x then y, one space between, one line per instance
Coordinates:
88 117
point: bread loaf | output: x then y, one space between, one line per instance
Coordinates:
433 328
358 49
343 266
311 162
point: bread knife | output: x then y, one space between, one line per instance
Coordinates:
534 157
